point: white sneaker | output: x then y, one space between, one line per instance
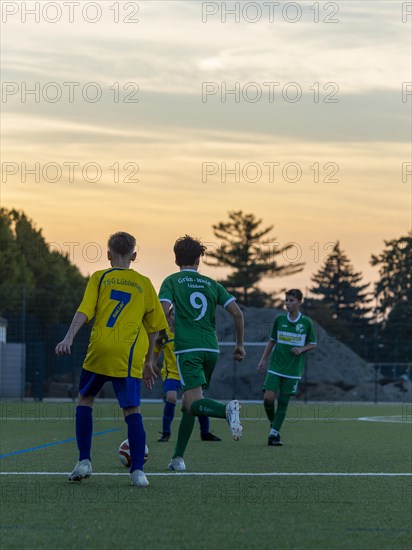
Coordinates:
177 464
82 470
233 419
139 479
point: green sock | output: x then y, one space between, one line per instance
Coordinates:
186 425
208 407
269 410
283 402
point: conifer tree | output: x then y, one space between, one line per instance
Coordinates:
394 297
339 286
252 257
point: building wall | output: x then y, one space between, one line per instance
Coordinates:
12 370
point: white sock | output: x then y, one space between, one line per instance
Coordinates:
273 432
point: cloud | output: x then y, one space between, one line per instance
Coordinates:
171 50
171 131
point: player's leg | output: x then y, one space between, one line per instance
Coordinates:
204 425
280 415
205 433
128 394
203 364
89 386
84 425
269 404
196 370
170 388
271 388
186 425
288 387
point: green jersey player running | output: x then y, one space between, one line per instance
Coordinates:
293 335
195 298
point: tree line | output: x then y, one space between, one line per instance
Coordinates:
375 321
45 281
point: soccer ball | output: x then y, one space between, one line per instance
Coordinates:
124 453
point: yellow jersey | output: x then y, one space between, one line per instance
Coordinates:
125 307
169 364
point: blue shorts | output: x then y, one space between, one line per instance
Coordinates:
171 385
127 390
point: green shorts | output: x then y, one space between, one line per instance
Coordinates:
196 368
281 384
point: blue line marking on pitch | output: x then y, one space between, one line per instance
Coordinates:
379 529
54 443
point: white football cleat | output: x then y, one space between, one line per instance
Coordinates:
233 419
139 479
82 470
177 464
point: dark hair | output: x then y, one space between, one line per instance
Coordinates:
122 244
188 250
296 293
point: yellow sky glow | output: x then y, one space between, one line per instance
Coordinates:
318 171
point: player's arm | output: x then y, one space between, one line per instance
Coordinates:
266 354
154 321
166 306
85 312
157 350
78 321
303 349
156 369
148 374
239 324
312 342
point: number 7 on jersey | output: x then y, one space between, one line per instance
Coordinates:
122 299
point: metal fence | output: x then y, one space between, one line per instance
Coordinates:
47 376
381 381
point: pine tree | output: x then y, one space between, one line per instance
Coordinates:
339 287
394 296
343 305
250 256
395 284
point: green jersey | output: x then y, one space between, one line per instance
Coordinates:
195 298
290 334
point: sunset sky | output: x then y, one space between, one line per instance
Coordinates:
318 128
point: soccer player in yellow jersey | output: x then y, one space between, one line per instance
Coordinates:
127 317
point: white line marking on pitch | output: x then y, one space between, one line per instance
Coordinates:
327 419
396 419
222 474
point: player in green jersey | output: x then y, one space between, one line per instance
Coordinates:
195 298
292 335
171 383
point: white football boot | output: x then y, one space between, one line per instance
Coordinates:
177 464
233 419
139 479
82 470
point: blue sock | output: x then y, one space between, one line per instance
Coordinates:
204 424
137 440
168 415
84 430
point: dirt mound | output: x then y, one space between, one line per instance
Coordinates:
333 371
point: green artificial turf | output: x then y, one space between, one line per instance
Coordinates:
196 512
